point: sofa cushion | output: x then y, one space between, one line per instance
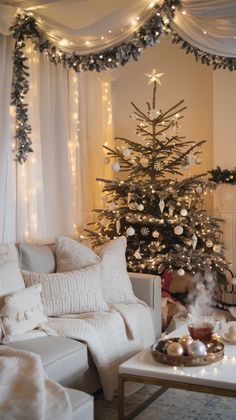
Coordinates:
82 404
10 276
76 291
22 310
67 255
62 357
116 285
37 258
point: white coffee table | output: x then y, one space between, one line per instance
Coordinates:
218 378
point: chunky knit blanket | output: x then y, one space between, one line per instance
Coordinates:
112 337
25 391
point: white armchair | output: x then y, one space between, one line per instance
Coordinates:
147 287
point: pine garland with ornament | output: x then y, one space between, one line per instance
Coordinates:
161 212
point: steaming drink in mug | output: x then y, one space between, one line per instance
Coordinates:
202 327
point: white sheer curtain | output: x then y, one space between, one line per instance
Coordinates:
7 166
71 119
208 25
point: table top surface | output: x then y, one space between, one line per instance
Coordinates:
219 375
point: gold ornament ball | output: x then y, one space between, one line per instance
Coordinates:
181 272
175 349
185 340
144 162
209 243
155 234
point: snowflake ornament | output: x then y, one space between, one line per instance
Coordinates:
158 165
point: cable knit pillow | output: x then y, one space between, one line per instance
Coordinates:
116 284
76 291
22 311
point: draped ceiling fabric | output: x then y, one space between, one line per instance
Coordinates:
209 25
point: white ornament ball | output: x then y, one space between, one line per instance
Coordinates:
181 272
198 160
184 212
115 167
130 231
197 348
178 230
199 190
209 243
209 277
155 234
126 152
140 207
233 281
112 205
106 160
175 349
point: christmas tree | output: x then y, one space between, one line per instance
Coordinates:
160 211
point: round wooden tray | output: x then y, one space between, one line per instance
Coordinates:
214 354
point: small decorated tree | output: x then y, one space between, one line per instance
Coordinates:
160 211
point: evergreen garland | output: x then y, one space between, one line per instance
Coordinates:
220 176
26 28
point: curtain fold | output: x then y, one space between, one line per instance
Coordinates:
208 25
70 118
7 165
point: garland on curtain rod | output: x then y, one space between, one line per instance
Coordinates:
216 61
225 176
26 28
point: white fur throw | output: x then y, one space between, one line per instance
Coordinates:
116 284
22 311
75 291
25 391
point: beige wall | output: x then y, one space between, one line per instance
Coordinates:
183 79
224 109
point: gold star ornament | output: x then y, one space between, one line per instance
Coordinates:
154 77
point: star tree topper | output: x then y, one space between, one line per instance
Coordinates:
154 77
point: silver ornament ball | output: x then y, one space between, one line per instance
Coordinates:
196 348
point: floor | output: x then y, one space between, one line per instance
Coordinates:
172 405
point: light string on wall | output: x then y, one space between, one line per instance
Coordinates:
216 61
26 28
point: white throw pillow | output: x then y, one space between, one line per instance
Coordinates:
116 284
22 311
10 276
68 258
76 291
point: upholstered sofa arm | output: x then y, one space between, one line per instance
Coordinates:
147 287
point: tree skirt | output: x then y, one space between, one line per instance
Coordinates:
173 404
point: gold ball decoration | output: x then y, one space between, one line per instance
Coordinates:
175 349
144 162
178 230
155 234
185 340
133 205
